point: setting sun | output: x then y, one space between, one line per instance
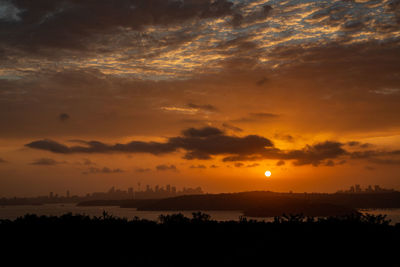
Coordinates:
268 173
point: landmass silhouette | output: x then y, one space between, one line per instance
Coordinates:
264 203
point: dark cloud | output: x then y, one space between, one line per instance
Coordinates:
354 25
142 170
99 147
330 163
238 164
358 144
373 154
264 115
385 161
205 143
164 167
206 107
310 154
317 153
198 143
212 145
239 19
198 166
2 160
46 162
104 170
252 165
280 163
203 132
244 157
257 116
49 145
71 24
63 117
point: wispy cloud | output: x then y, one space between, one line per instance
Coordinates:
104 170
164 167
47 162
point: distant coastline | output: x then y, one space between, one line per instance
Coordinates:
252 204
265 204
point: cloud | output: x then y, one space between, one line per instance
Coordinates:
104 170
386 91
198 143
280 163
76 25
203 132
147 33
142 170
252 165
198 166
203 144
248 18
208 142
385 161
358 144
238 164
257 116
206 107
372 154
315 154
50 145
330 163
99 147
189 111
310 155
2 160
46 162
284 137
164 167
8 12
264 115
63 117
232 127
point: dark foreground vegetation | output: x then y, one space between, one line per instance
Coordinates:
78 240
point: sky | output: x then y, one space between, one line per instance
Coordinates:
208 93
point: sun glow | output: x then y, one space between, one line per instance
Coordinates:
268 173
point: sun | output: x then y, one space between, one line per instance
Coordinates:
268 173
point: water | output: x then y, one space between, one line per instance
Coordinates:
391 214
13 212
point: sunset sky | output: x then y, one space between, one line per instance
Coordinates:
95 94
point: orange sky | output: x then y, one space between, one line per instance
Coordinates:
199 93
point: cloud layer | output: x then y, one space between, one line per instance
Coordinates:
169 38
205 143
